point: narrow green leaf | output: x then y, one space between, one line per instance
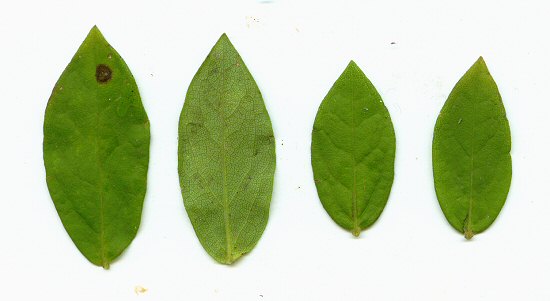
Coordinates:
471 153
226 155
353 151
96 151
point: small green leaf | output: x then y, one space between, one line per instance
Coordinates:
96 151
353 151
226 155
471 153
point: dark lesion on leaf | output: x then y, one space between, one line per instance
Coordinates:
194 126
103 73
268 139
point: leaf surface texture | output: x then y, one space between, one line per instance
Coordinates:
353 151
226 155
472 165
96 151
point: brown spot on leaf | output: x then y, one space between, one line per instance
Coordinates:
103 73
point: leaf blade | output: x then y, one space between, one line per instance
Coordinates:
96 151
226 155
353 151
471 158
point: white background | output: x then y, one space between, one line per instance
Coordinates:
295 50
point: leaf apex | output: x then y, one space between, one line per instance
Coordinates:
95 34
95 29
352 65
224 41
480 63
224 38
353 68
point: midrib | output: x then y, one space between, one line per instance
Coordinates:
229 245
104 261
356 230
468 227
225 198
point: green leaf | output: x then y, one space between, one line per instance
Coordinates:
96 151
226 155
471 153
353 151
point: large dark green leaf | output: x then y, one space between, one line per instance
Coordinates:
471 153
226 155
353 151
96 151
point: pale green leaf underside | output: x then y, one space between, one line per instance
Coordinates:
96 151
471 153
226 155
353 151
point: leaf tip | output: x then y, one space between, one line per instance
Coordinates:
480 63
224 38
95 30
352 66
95 34
223 42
